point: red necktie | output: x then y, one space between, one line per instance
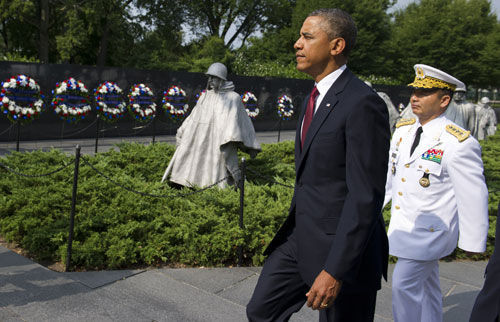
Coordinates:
309 114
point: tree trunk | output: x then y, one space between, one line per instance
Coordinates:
103 45
5 37
43 53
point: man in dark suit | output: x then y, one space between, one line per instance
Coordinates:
487 306
332 249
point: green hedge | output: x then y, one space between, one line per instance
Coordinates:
115 228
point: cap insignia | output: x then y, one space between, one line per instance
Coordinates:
420 73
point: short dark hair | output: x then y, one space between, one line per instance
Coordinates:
339 24
445 91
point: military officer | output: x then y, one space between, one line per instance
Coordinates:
439 196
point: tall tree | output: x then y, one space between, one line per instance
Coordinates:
489 60
159 43
447 34
370 16
372 22
37 17
231 19
91 27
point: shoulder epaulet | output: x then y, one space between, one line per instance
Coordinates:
457 132
404 122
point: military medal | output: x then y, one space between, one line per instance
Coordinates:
424 181
395 157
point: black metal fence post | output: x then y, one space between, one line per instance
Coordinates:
73 205
154 129
18 135
279 129
242 203
96 133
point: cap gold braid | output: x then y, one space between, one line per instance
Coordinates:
431 82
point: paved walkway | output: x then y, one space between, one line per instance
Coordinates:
31 292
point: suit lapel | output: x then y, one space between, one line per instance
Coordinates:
298 149
327 105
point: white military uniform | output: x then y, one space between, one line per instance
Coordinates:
439 197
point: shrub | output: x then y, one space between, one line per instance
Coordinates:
115 228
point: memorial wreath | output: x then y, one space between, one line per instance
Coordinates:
175 102
110 103
285 107
250 102
71 100
21 99
141 105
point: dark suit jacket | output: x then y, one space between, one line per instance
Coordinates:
339 190
487 306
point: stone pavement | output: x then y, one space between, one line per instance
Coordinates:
31 292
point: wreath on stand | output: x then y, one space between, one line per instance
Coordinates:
285 107
71 100
21 99
250 102
110 104
175 103
141 105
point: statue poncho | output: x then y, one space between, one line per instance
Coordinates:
208 139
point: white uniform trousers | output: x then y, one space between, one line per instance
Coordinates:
416 293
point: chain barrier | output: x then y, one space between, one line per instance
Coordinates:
8 129
149 194
268 179
142 128
37 175
79 131
66 136
161 121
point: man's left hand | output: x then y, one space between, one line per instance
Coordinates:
323 291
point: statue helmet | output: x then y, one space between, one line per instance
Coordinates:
485 100
217 70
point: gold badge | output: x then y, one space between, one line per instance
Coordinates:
424 181
419 73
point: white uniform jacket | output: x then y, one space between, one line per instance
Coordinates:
427 222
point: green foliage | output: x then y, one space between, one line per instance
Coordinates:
253 38
19 58
463 33
115 228
242 66
202 55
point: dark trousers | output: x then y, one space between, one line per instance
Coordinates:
280 292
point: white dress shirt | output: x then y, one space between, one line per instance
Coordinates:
323 86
